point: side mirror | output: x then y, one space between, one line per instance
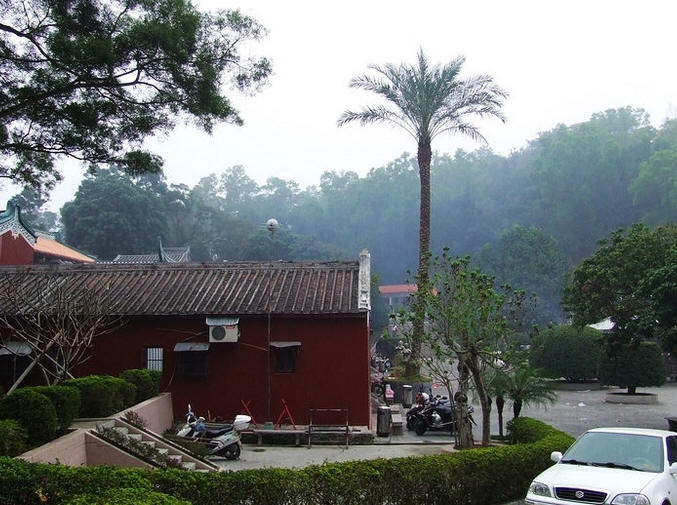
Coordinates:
673 469
556 456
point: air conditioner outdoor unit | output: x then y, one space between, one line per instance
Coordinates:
223 330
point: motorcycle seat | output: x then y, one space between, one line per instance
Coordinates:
218 433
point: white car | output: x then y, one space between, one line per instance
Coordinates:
619 466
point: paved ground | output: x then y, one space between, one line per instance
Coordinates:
573 413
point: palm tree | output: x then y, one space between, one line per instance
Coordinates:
426 100
526 386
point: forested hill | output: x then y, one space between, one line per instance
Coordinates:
527 217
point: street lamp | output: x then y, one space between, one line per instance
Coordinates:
272 226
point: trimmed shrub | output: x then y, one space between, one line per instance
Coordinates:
567 351
126 496
103 395
35 484
13 438
488 476
33 411
66 401
525 430
126 393
147 384
636 366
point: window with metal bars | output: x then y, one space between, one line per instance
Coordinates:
154 358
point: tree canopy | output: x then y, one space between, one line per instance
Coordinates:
632 279
90 79
531 260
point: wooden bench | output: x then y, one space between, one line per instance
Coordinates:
314 427
260 432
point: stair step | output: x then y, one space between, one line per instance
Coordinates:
149 443
188 465
202 470
175 457
121 429
162 450
135 436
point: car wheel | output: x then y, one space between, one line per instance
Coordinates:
420 427
231 452
410 423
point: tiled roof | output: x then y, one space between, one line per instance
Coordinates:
396 289
216 288
165 254
50 247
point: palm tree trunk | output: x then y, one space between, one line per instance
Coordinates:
516 408
424 159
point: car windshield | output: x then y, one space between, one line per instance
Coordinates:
617 450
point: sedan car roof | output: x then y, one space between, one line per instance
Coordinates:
635 431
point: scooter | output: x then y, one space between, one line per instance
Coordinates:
224 441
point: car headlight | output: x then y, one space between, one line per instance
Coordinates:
631 499
540 489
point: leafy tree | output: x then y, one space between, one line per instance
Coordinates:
426 101
288 246
111 215
466 326
654 190
631 278
534 261
583 172
90 79
635 366
567 351
32 205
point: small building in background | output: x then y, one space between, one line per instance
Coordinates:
163 255
397 296
21 245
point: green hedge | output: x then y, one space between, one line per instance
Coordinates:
637 366
103 395
567 351
147 382
479 476
13 438
126 497
33 411
66 402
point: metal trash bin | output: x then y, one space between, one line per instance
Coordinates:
383 419
406 396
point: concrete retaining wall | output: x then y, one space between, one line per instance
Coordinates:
80 448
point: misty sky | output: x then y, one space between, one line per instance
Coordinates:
560 61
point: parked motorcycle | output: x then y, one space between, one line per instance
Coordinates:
420 402
435 414
224 440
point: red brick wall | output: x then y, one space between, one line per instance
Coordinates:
15 250
332 366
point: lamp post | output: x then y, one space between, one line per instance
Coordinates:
272 226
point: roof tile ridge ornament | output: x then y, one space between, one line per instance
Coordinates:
364 281
10 220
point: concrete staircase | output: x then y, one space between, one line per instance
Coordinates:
163 446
